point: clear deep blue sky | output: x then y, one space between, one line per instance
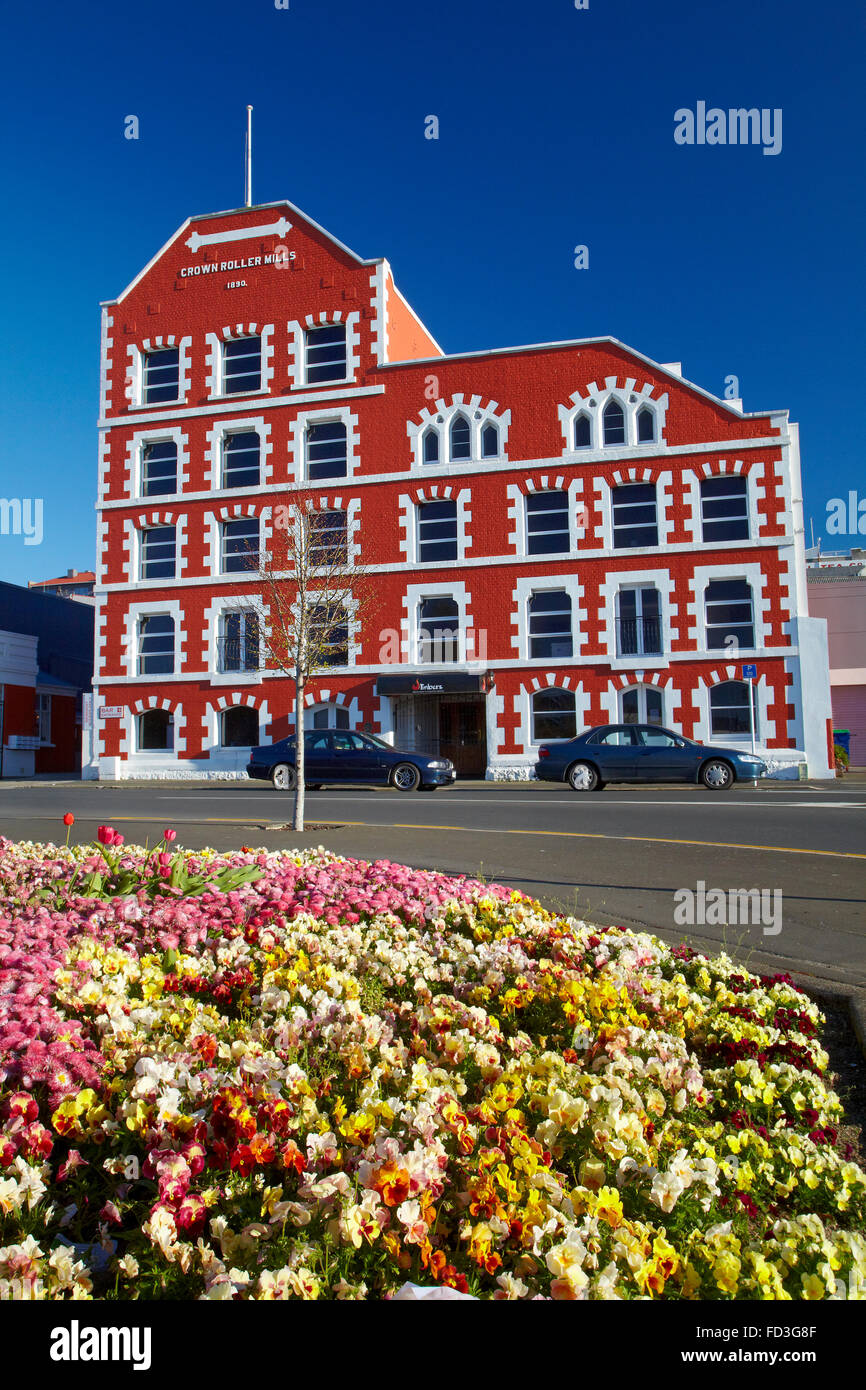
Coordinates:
556 129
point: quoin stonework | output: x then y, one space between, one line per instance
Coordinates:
561 535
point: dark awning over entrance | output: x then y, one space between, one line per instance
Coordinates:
434 683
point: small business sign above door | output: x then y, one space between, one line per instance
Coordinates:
434 683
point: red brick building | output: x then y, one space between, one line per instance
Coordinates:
563 534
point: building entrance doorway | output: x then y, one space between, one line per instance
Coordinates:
445 726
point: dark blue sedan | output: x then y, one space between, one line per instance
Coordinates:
642 753
335 755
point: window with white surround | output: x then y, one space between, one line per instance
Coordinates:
635 518
325 353
325 449
549 624
613 424
158 552
554 714
460 441
239 727
242 365
155 645
330 717
329 634
638 622
238 642
154 731
329 539
160 375
729 710
159 468
582 431
729 614
642 704
430 446
547 529
241 459
489 442
437 530
43 718
438 630
239 545
646 425
724 508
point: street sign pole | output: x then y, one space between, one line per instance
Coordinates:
752 711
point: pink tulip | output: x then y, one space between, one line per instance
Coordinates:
169 835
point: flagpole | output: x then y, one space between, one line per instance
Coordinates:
248 187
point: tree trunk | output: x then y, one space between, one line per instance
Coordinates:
298 814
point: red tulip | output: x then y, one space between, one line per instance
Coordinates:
169 835
69 819
105 835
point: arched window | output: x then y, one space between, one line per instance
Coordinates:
729 709
729 614
430 452
239 727
438 630
643 704
155 730
646 425
489 442
553 714
460 438
330 717
613 421
582 432
550 623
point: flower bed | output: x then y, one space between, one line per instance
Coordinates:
340 1076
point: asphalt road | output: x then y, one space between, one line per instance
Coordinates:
616 856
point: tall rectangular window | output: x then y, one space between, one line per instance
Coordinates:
635 523
437 530
161 375
724 509
240 545
729 614
159 468
547 523
158 552
638 623
242 366
328 538
238 642
326 353
326 450
156 645
241 459
329 635
550 624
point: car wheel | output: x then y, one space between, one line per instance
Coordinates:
582 777
405 777
283 777
717 775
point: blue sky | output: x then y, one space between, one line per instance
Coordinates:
556 129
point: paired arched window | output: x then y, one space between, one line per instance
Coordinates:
330 717
614 429
454 443
553 714
613 423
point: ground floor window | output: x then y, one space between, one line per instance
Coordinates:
155 730
553 715
239 727
330 717
729 709
643 704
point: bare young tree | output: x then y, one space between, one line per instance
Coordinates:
311 596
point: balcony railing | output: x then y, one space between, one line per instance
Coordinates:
638 637
238 654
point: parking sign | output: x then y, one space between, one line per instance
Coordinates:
750 673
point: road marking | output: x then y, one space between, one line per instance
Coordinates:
570 801
490 830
